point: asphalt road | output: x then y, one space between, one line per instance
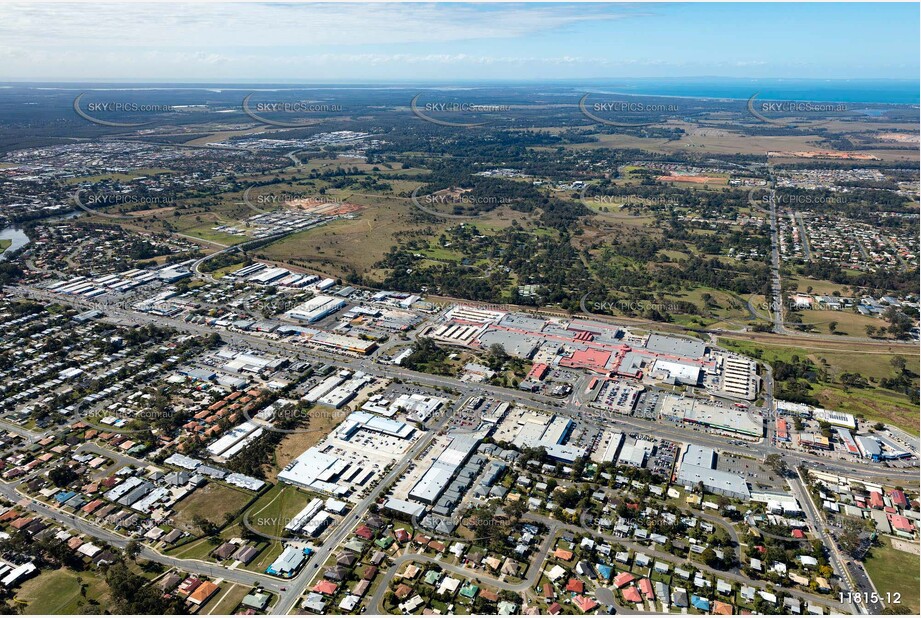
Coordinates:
294 588
530 579
90 529
817 523
548 404
289 597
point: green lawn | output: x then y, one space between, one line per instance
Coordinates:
270 514
894 571
5 244
220 272
199 549
58 592
213 502
226 600
206 233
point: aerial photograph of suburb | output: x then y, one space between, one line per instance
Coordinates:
459 308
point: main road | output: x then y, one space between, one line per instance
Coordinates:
758 450
289 597
83 526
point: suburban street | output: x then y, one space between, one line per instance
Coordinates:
757 450
289 592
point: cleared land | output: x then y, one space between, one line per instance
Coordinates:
874 363
213 502
72 592
895 572
322 422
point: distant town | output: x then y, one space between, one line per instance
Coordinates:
444 323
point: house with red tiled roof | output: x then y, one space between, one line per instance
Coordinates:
585 604
876 500
421 539
575 585
188 586
554 609
899 499
646 589
203 593
563 554
632 595
489 595
721 609
401 535
622 579
437 546
364 532
900 524
326 587
797 534
92 506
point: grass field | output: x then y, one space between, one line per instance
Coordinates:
199 549
816 286
212 501
873 403
724 309
894 571
226 600
331 248
846 322
220 272
5 244
726 142
34 598
206 233
270 514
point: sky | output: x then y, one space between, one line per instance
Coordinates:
284 41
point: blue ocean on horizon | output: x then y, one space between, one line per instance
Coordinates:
855 91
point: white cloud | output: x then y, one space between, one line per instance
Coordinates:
260 25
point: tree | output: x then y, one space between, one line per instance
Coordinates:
497 357
776 463
133 549
205 525
62 476
516 510
849 540
709 558
130 594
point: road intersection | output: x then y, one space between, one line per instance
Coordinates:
289 591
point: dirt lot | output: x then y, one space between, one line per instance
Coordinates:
296 443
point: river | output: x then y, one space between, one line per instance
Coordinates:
17 235
21 239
